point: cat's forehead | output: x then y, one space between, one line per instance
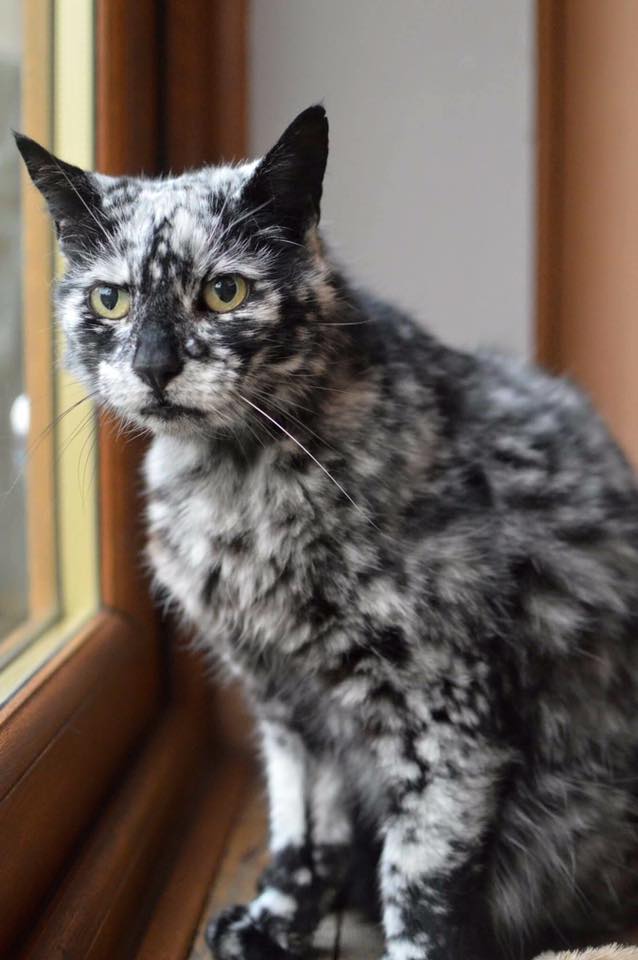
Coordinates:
135 196
164 223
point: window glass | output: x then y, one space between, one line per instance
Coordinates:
14 405
49 583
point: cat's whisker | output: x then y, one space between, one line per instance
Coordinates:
84 456
348 323
311 379
282 408
271 233
281 404
44 433
75 433
90 445
308 454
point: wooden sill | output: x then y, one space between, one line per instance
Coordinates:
63 739
200 863
142 874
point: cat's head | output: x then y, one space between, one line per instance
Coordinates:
184 294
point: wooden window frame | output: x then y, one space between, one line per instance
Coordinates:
113 754
587 203
38 348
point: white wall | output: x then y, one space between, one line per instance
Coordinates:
428 195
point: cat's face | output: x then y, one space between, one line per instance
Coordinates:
185 297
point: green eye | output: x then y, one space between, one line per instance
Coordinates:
109 302
225 293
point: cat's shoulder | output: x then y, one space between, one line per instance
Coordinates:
489 403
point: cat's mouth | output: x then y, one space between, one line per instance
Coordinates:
163 410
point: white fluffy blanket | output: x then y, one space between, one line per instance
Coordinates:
612 952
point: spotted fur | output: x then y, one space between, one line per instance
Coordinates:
421 563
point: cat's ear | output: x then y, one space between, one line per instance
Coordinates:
71 195
287 183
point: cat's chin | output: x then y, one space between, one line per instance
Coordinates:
171 418
170 411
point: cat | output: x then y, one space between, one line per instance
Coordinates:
421 563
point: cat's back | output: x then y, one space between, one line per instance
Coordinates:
525 427
527 419
526 514
507 435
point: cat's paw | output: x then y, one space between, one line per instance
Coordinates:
237 935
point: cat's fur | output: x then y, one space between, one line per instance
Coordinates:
430 593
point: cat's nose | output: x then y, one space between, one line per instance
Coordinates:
157 357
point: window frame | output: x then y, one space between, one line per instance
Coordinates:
587 212
61 736
61 502
118 728
37 346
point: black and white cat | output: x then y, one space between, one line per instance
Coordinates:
423 564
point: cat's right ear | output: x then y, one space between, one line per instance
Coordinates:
287 183
71 195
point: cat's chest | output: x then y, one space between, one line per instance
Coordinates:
232 546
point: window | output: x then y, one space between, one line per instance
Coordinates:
48 563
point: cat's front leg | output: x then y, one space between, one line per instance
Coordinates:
309 843
262 929
432 868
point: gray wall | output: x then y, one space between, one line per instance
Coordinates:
429 188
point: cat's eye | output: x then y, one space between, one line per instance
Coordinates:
225 293
112 303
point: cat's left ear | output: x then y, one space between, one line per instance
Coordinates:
287 184
71 195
